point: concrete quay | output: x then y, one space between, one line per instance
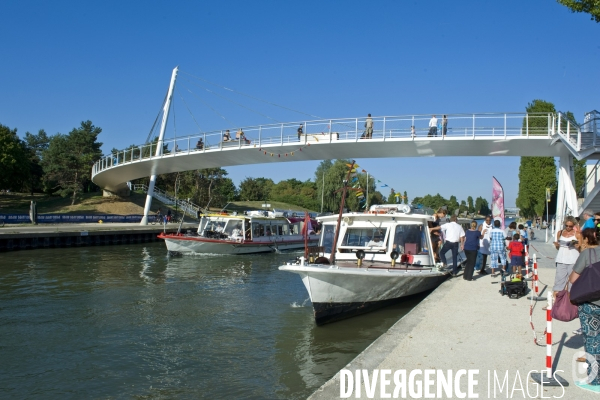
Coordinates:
466 325
29 237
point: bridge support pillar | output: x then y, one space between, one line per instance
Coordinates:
566 199
148 200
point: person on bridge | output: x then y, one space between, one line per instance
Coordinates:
369 127
300 132
226 136
432 126
444 125
200 144
240 135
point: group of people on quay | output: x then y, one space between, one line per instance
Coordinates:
486 239
578 248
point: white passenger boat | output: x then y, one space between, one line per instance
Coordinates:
254 232
380 256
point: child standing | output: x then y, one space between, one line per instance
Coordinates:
523 234
516 254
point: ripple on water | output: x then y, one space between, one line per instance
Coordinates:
130 321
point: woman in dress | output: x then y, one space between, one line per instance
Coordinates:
484 243
568 252
472 237
589 313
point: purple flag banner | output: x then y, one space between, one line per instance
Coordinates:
497 201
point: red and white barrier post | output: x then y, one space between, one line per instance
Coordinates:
547 377
534 283
549 338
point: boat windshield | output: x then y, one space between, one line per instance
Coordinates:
327 237
367 238
409 239
221 226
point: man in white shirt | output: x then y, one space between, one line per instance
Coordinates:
432 126
455 235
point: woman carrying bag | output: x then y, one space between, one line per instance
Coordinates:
589 312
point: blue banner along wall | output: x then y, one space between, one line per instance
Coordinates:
70 218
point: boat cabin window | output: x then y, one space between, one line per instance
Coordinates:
409 239
327 238
295 227
368 238
258 229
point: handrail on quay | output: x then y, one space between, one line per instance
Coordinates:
407 127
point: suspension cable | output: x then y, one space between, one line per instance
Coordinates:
212 109
151 133
231 101
252 97
188 108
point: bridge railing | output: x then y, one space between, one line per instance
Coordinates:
408 127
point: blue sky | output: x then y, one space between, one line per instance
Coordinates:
110 62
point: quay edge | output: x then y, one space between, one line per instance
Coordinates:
469 325
79 235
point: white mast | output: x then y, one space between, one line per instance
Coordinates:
159 144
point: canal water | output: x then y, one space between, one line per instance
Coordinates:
129 321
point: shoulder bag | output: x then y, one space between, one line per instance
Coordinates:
587 287
563 309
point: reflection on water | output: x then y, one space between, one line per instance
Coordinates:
130 321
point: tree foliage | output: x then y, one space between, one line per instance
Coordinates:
68 160
536 173
36 145
14 160
591 7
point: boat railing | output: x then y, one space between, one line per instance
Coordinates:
407 127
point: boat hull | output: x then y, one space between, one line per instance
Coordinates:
338 292
198 245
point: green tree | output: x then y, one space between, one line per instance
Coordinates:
405 197
463 207
482 206
14 160
536 173
293 191
68 160
392 197
255 189
36 144
470 204
591 7
536 123
433 202
452 205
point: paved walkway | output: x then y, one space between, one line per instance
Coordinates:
469 325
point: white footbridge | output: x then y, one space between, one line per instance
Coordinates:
480 134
